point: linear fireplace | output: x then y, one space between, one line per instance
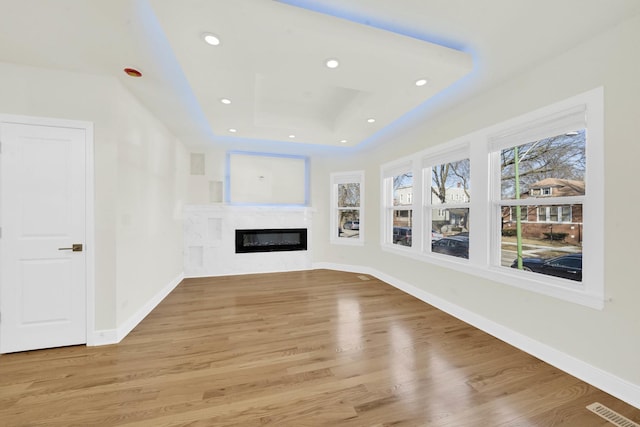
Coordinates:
271 240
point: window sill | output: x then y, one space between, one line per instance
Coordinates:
346 241
561 289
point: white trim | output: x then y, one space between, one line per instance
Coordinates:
137 317
549 121
263 271
89 204
606 381
450 152
397 167
336 179
346 177
114 336
532 282
90 240
104 337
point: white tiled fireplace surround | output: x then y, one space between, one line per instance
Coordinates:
209 239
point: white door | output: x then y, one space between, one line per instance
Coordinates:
42 215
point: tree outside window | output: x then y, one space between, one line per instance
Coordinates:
347 215
447 208
543 183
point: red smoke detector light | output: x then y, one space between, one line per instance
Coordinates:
133 72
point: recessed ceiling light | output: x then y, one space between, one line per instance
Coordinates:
332 63
226 101
343 141
421 82
232 130
211 39
292 136
371 120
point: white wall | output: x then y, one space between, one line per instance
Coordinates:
140 180
151 188
608 340
262 179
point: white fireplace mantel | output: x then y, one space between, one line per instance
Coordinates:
209 239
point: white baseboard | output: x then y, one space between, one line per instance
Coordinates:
114 336
622 389
242 273
104 337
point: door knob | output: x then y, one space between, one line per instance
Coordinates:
76 247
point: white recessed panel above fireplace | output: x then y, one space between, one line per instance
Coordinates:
210 239
267 179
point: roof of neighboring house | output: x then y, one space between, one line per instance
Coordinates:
561 187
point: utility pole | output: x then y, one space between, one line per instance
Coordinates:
518 209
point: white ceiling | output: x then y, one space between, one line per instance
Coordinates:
271 65
270 61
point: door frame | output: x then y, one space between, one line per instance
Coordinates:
87 127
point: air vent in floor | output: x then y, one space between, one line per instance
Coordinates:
363 277
611 416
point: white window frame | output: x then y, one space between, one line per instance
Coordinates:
452 152
585 110
389 171
337 178
485 205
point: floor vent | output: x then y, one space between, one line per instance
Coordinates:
363 277
611 416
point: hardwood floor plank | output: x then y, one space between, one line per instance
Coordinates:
309 348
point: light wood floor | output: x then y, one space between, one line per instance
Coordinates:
295 349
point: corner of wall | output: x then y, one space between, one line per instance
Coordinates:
114 336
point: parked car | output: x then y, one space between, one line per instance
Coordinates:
453 245
566 266
352 225
402 236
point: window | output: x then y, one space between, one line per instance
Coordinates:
554 213
540 167
446 210
534 178
347 221
402 209
513 214
398 199
538 203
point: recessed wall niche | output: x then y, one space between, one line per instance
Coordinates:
197 164
215 191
